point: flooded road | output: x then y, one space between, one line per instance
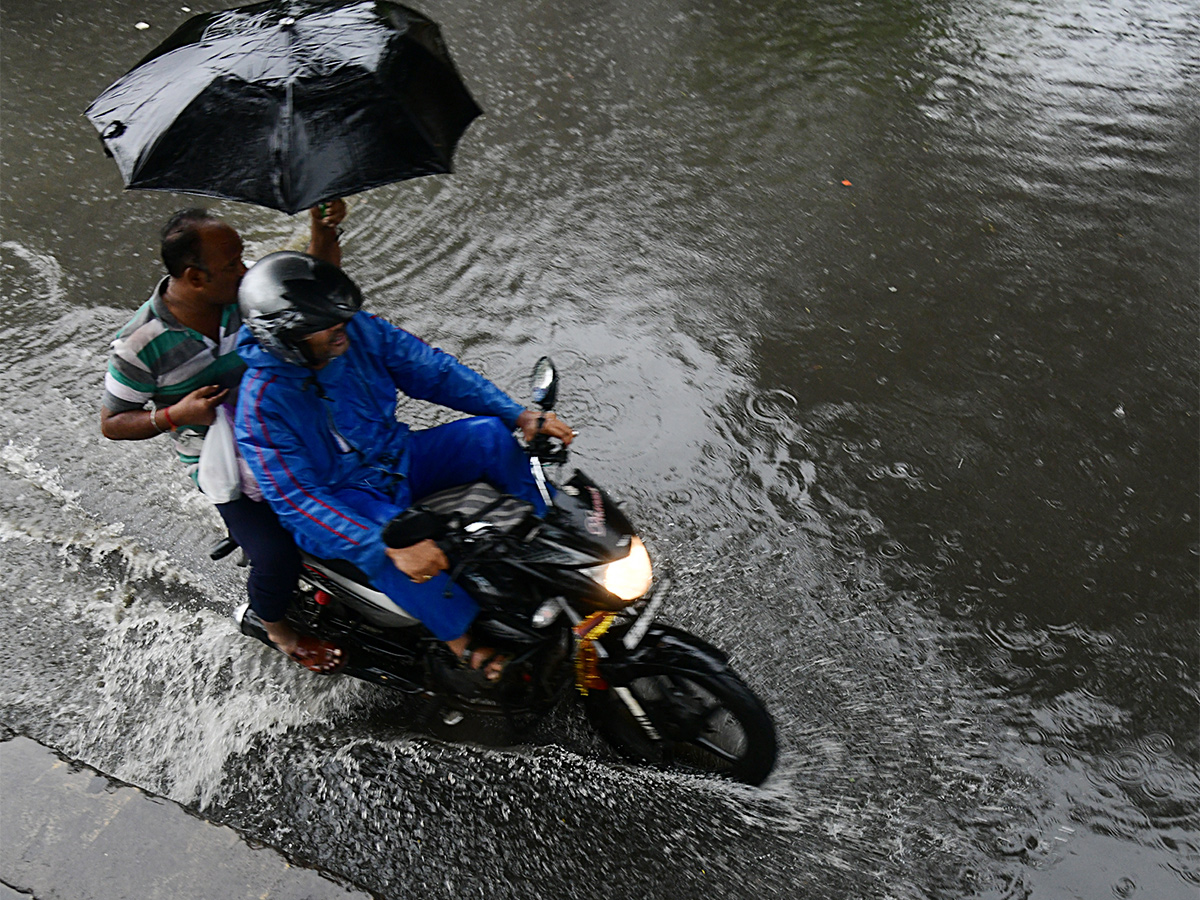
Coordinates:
881 319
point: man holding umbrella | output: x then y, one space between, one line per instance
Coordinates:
178 356
280 103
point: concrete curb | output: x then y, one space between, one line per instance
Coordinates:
68 832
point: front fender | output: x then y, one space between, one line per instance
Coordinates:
662 647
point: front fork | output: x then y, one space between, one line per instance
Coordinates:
588 661
614 649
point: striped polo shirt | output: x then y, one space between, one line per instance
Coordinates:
156 358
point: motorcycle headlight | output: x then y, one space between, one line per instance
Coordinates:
629 577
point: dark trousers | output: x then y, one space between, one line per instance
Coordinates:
274 559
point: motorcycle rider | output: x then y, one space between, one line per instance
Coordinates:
178 355
316 423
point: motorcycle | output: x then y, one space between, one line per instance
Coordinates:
570 597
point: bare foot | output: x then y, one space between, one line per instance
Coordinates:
313 653
491 661
317 655
282 635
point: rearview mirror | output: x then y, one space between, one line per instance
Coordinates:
543 383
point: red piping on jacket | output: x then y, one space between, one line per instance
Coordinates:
299 487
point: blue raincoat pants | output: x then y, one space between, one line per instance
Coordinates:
477 449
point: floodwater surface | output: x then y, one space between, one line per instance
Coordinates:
881 320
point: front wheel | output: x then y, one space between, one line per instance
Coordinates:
708 723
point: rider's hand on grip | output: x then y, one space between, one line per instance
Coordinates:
412 526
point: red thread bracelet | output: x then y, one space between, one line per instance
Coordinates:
167 413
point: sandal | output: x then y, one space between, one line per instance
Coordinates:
490 662
318 656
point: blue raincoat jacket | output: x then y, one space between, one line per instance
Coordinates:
312 453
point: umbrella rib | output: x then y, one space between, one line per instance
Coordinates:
285 144
287 115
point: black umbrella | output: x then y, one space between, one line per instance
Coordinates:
286 104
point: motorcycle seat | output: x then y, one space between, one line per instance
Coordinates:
346 570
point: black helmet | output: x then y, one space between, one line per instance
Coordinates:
287 296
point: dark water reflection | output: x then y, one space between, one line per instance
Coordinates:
883 319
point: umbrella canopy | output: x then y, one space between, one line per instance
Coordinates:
286 104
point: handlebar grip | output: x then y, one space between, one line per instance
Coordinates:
547 449
412 526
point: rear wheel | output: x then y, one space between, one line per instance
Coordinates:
701 722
